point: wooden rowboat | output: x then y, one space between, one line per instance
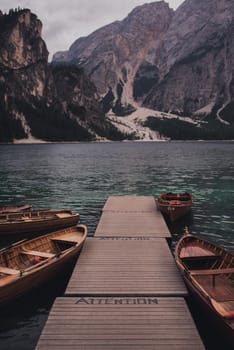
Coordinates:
14 209
36 221
28 264
208 271
174 205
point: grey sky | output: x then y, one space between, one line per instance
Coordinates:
65 21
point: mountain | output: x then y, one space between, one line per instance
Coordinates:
196 61
156 74
39 101
112 55
171 61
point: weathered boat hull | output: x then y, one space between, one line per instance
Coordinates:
30 222
174 206
14 286
174 212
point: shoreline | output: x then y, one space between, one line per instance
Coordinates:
110 141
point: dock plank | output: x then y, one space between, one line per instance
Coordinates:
149 224
125 267
132 216
130 204
119 323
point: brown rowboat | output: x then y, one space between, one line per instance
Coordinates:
36 221
174 205
26 265
208 271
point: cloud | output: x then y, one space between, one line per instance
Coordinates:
65 21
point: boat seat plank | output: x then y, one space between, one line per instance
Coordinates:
26 218
63 215
213 272
222 291
65 238
38 253
9 271
194 251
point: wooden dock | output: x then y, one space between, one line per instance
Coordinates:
131 216
119 266
125 291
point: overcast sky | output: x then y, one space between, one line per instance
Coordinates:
64 21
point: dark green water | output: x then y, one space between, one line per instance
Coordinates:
82 176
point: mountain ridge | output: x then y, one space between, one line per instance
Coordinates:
112 54
186 68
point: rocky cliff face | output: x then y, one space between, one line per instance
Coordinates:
112 56
178 61
196 60
21 42
38 100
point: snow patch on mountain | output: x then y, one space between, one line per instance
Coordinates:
134 123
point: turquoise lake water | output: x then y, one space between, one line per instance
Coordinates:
81 176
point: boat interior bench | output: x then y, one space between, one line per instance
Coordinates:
8 270
212 272
63 215
26 218
37 253
195 252
68 237
65 239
